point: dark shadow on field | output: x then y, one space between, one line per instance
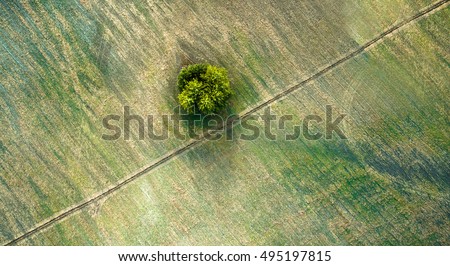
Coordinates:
411 166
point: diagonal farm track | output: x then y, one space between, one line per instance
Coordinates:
65 213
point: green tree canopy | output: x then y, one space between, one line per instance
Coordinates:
203 87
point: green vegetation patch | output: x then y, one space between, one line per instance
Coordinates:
203 87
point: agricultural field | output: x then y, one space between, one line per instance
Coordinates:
65 65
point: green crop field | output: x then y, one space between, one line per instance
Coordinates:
65 65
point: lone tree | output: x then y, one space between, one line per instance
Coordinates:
203 87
